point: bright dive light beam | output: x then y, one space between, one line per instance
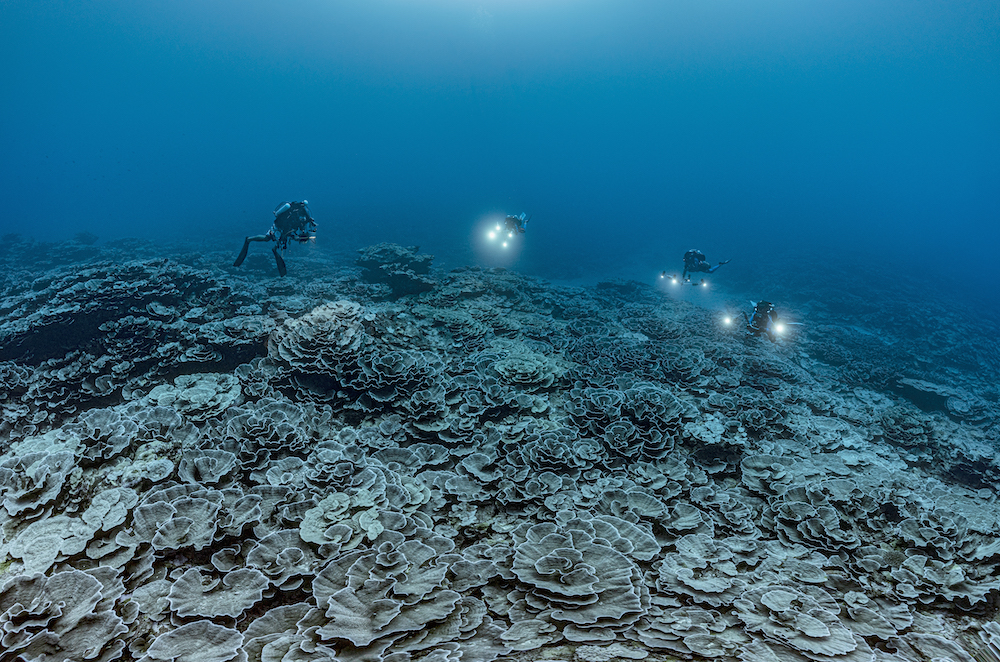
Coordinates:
505 244
727 320
780 328
492 235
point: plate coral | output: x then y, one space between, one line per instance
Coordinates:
407 464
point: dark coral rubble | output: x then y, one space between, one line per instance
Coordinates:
476 465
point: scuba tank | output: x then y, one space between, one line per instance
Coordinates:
282 208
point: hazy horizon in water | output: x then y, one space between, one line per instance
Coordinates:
630 131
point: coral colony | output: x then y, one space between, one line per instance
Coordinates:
474 465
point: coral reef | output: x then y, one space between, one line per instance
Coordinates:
477 466
401 268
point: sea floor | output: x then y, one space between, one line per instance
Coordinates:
374 459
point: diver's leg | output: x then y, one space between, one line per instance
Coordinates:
279 261
243 253
246 246
712 269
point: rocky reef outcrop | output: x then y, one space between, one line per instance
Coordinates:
403 269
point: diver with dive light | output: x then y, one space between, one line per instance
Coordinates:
763 321
695 262
292 221
515 224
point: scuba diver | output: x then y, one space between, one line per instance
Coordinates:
515 224
694 262
291 221
763 321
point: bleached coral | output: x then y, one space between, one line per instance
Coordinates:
60 616
576 585
278 472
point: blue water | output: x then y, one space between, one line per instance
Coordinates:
632 131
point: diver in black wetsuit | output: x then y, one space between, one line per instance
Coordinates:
694 262
763 321
292 221
515 224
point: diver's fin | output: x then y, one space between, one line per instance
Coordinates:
243 253
281 263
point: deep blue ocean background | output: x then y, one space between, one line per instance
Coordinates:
846 132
